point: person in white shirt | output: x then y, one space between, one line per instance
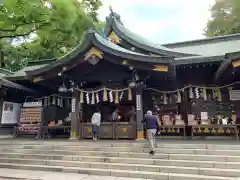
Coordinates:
96 121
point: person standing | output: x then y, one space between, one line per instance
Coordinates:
151 125
96 121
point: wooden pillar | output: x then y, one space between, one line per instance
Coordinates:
186 99
139 112
75 121
185 107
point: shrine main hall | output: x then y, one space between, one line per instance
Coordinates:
191 86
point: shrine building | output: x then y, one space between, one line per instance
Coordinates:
189 85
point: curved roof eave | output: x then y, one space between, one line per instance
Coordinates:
7 83
229 57
199 59
141 43
92 38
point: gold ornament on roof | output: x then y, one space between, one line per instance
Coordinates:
124 62
161 68
236 63
37 79
93 52
113 37
110 8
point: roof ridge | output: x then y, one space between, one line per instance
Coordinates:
204 40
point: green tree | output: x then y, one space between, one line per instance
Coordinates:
53 28
225 18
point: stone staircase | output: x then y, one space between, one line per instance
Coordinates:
183 161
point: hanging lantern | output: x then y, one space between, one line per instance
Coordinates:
219 97
97 98
121 95
116 97
93 98
191 96
204 94
110 96
164 98
87 98
129 94
81 96
179 98
105 98
197 93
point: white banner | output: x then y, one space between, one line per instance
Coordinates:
10 113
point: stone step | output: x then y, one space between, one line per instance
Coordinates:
160 153
124 157
143 161
79 149
114 172
134 144
130 167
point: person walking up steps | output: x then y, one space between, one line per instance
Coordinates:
96 121
151 125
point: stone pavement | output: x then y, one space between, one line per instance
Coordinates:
11 174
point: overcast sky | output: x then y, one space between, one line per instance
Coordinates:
163 21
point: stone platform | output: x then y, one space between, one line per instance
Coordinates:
174 159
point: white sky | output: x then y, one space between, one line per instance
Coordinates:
162 21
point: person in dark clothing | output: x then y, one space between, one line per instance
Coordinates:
151 125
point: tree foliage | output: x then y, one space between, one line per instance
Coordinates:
225 18
40 29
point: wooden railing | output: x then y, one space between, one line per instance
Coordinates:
125 130
110 130
179 130
216 129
